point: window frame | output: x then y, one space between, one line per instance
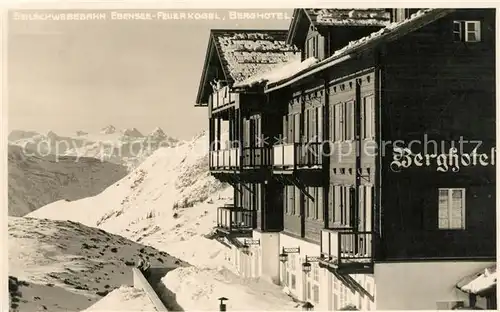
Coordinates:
462 34
368 128
476 31
450 209
349 120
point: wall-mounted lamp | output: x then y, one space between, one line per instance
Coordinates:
306 266
245 248
247 242
285 251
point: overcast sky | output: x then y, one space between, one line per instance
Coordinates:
84 75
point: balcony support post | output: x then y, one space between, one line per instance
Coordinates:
234 183
295 181
239 118
218 134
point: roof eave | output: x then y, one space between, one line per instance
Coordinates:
293 26
405 28
208 54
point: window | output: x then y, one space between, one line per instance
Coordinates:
337 203
315 272
314 46
338 122
451 208
472 31
308 289
344 121
368 197
311 49
368 117
293 258
319 204
308 203
290 195
284 275
296 128
335 293
290 267
286 200
315 293
258 196
297 199
342 204
466 31
349 120
285 127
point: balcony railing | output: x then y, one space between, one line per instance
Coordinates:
257 157
298 155
347 247
231 219
223 97
228 159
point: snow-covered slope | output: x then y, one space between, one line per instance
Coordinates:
128 147
125 298
169 199
170 202
35 181
66 266
198 289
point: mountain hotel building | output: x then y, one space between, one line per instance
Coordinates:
361 148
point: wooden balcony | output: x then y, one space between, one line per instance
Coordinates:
222 98
224 160
298 156
347 251
233 220
256 157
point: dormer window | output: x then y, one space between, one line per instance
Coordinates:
315 47
312 47
466 31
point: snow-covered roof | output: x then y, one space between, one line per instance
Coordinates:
351 17
285 71
390 32
479 282
242 54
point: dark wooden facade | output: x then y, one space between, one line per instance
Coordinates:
424 84
326 172
251 123
435 86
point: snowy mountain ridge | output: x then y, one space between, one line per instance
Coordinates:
128 147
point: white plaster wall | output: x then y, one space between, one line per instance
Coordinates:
269 249
312 250
420 285
326 278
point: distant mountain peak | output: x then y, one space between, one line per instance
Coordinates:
108 130
158 133
132 132
81 133
51 135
